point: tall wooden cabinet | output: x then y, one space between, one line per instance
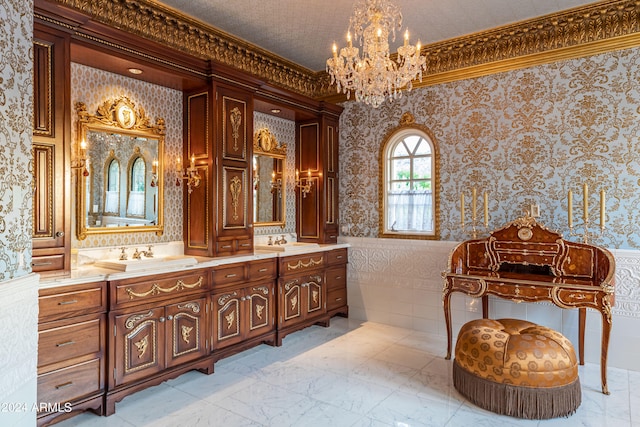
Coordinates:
51 153
317 158
218 134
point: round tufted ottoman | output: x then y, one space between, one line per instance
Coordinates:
517 368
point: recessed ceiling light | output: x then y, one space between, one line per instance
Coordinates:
275 110
135 70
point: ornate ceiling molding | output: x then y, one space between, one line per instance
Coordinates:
589 30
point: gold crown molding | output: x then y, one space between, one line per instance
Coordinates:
579 32
170 27
587 30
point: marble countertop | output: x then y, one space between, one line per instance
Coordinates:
88 272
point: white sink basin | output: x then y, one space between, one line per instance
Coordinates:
146 263
288 247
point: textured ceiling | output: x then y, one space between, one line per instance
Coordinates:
303 31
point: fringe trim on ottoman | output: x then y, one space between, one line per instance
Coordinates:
516 401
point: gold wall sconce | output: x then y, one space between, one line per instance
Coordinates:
190 174
475 223
586 235
304 184
81 161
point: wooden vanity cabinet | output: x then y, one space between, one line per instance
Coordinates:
301 293
157 331
243 306
71 350
51 153
336 281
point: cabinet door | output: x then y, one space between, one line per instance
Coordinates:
260 309
186 331
137 344
51 134
314 290
227 318
290 302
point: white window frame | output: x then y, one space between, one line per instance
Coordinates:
395 138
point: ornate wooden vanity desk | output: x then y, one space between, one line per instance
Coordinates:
526 262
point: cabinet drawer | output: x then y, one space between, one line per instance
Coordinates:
302 263
47 263
66 301
233 273
336 277
67 384
226 247
245 245
336 298
262 269
141 290
69 341
337 256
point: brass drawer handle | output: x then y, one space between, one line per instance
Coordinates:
262 270
339 257
338 277
40 264
73 301
63 344
65 385
226 247
338 299
245 244
229 276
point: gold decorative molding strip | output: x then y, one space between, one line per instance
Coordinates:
157 290
585 30
172 28
301 264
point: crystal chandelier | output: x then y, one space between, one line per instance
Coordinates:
374 76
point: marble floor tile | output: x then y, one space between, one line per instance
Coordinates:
352 374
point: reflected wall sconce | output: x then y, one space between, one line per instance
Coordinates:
276 184
304 184
154 173
81 161
190 174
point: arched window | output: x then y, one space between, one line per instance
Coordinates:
137 181
112 194
409 185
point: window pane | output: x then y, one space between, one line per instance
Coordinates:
412 141
423 148
138 175
400 151
399 186
422 167
400 169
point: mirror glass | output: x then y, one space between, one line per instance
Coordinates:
120 182
269 190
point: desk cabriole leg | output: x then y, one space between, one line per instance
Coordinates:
606 331
446 301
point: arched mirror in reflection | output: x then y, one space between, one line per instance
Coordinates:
123 188
269 192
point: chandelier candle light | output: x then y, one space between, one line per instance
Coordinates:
374 76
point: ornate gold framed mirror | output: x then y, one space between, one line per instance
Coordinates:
269 189
120 170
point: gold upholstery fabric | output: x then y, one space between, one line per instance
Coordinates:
516 352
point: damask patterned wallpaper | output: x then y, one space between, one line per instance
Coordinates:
526 137
285 133
93 87
16 113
